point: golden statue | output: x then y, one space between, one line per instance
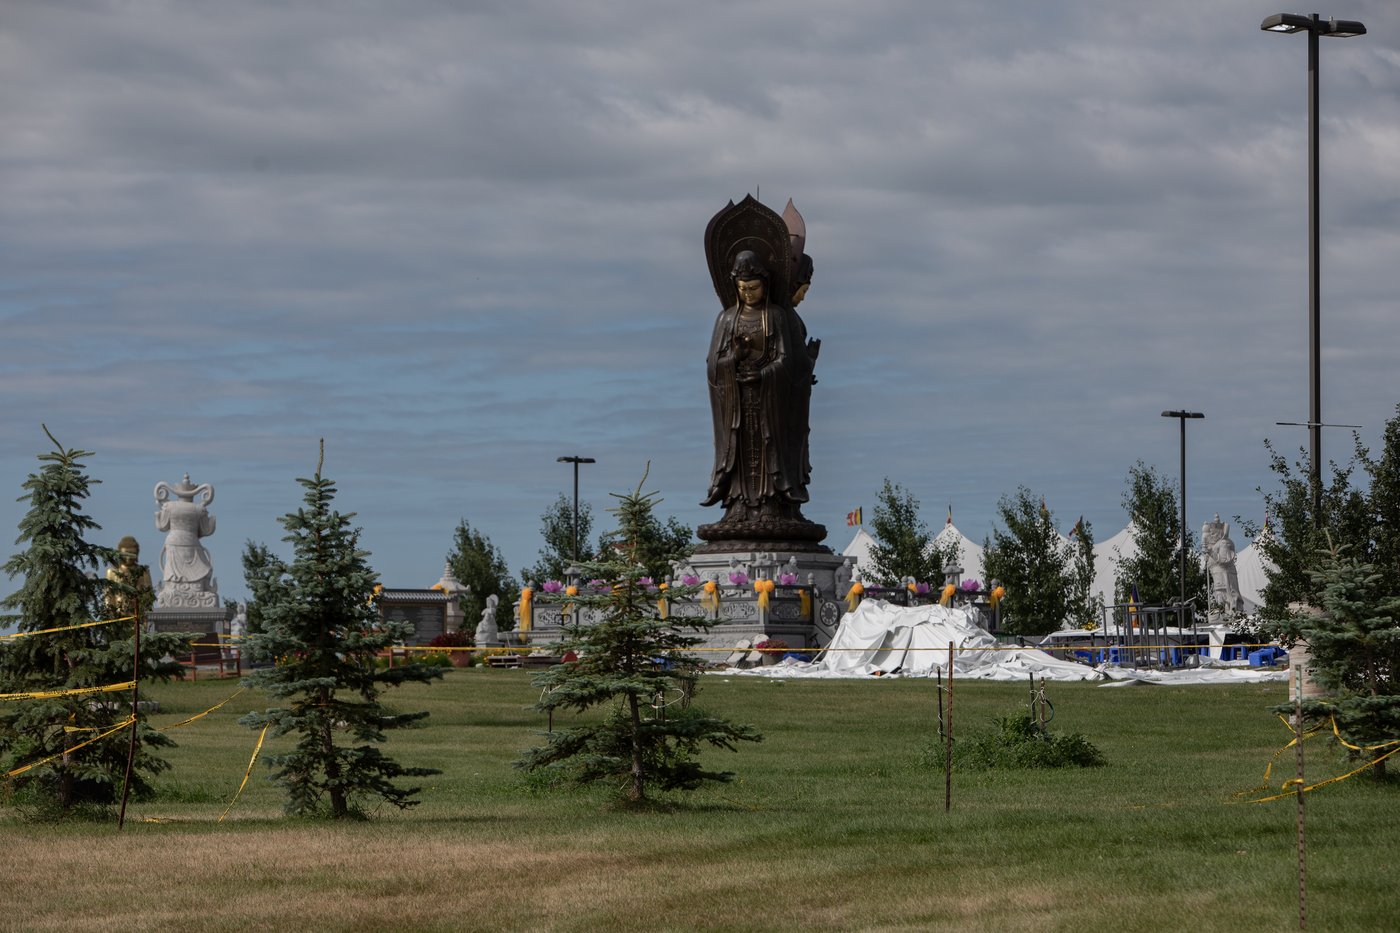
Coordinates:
129 572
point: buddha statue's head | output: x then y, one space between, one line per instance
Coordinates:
804 279
128 551
750 277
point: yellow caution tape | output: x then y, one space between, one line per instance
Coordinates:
251 761
67 628
186 722
76 691
1293 783
66 751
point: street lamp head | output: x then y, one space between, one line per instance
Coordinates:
1343 28
1297 22
1182 414
574 460
1286 22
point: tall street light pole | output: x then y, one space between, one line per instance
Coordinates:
575 461
1182 416
1314 26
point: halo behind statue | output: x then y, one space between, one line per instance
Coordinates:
748 225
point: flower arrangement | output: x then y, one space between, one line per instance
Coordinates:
738 578
772 645
971 586
787 579
690 579
552 586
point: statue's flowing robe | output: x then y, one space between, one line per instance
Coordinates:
783 392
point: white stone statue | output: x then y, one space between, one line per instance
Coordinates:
486 631
187 573
237 628
1225 599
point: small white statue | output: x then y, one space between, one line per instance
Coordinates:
487 632
1220 566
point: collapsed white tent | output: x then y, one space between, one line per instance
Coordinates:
881 639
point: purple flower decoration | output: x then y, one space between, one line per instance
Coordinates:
971 586
738 579
690 579
646 581
787 579
921 589
553 586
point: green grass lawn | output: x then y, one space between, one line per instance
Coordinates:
831 823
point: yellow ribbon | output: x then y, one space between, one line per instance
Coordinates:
251 761
709 597
805 600
76 691
947 596
853 596
67 628
526 596
997 595
764 589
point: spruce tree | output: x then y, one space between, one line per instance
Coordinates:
631 660
62 587
323 633
1355 648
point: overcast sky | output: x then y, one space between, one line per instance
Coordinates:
458 240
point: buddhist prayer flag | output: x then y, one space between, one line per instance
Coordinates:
854 517
1077 529
950 514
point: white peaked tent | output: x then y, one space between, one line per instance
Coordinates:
969 551
1107 555
1253 568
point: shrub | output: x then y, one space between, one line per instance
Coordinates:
1015 743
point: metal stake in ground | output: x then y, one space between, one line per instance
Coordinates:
939 685
135 702
1302 849
948 738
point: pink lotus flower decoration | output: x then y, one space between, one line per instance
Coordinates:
553 586
787 579
738 579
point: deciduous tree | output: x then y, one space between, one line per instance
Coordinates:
478 563
1031 560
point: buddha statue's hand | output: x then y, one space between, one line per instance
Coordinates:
814 347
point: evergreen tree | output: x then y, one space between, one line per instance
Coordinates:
478 563
557 530
1355 648
646 739
903 547
1030 559
656 545
62 588
1150 499
257 559
321 628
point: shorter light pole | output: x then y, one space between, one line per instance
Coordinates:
1182 416
575 461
